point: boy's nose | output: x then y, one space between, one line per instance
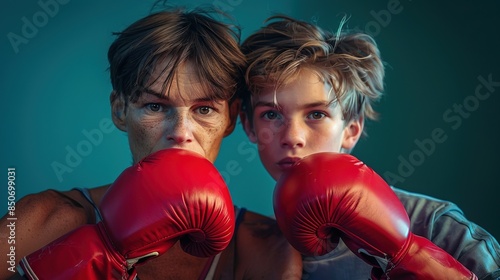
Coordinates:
292 135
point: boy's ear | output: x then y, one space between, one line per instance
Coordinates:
248 127
118 110
352 132
234 108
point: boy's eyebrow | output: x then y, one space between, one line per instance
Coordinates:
317 104
307 105
265 104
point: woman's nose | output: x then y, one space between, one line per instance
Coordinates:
180 129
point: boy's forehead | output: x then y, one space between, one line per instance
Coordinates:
304 85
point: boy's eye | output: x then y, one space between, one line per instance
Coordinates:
317 115
270 115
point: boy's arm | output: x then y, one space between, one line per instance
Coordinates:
452 231
263 252
468 243
346 199
40 218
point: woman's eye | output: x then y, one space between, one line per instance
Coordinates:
205 110
317 115
155 107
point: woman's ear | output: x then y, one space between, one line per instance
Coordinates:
118 110
234 108
352 132
248 127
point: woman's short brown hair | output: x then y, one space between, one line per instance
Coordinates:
170 38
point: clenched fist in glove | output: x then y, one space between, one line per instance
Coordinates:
327 196
171 195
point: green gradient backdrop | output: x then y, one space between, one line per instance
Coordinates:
55 91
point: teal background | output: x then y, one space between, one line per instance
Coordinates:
56 87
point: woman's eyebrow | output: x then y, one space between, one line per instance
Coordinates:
165 97
155 93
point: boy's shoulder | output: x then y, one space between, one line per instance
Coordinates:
421 204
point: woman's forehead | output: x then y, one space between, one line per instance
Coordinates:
184 79
183 82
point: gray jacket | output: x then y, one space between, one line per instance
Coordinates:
440 221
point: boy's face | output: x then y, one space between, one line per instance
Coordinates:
304 122
185 119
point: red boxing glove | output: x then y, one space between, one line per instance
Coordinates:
327 196
168 196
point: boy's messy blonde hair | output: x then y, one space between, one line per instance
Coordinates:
350 63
